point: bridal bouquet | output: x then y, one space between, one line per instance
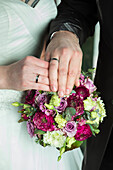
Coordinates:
63 122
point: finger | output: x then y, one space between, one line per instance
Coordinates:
37 70
53 73
38 86
77 81
47 57
41 79
62 72
36 61
72 72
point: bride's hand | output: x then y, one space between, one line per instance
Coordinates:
66 70
22 74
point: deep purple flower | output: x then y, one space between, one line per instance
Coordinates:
89 85
30 97
76 102
30 128
43 122
71 100
70 128
82 91
41 98
83 132
63 105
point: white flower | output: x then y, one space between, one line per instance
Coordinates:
54 138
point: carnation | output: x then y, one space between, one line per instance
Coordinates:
43 122
82 91
55 138
76 102
30 97
83 132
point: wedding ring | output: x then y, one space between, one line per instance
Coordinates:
54 59
37 77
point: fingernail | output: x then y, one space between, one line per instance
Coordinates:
53 88
61 93
67 91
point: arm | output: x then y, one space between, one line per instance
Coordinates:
75 21
76 16
21 75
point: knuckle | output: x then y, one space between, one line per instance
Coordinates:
79 72
53 64
71 73
62 72
24 68
23 83
64 51
28 58
52 81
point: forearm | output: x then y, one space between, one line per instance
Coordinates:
3 77
76 16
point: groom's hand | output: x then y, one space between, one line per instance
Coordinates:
65 56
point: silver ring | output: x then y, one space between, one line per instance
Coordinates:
54 59
37 77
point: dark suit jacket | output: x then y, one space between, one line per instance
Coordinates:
80 17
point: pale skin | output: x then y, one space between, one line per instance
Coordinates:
54 76
65 73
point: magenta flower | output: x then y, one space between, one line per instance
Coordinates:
70 128
30 128
82 91
43 122
76 102
83 132
90 85
62 106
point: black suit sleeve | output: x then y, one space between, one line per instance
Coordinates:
77 16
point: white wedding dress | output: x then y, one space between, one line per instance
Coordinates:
22 30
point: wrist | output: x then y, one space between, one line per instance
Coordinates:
65 34
3 77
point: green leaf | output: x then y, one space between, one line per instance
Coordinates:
69 112
77 144
92 129
59 158
73 91
26 106
38 131
21 120
17 104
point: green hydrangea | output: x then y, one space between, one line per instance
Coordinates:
54 138
94 116
89 103
100 107
99 111
55 101
60 121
